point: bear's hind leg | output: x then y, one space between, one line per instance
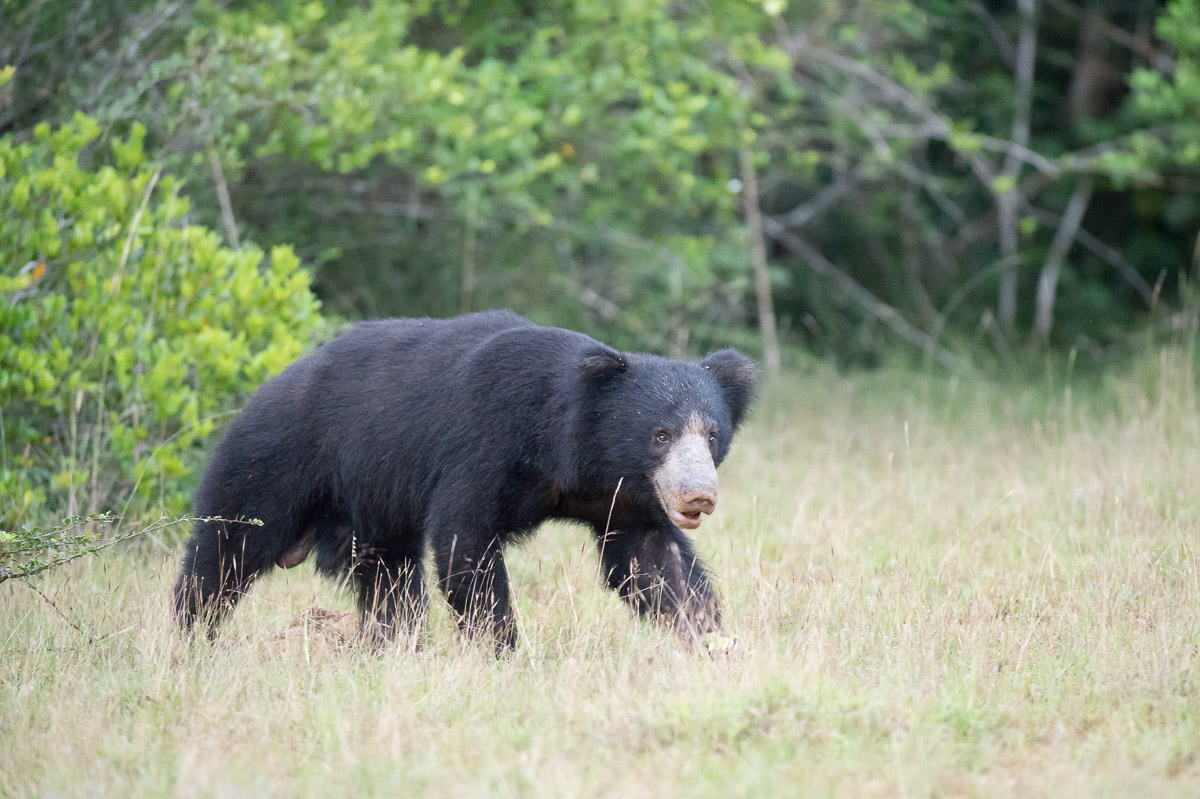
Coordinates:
219 564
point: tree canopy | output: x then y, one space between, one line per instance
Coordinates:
925 172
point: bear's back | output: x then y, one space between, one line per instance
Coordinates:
383 341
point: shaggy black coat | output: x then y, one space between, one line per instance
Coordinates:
462 435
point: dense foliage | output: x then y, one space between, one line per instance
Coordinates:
938 171
125 332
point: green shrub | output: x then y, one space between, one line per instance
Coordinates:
32 551
126 334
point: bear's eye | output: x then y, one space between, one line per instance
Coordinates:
712 437
662 436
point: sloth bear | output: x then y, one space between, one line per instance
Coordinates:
464 435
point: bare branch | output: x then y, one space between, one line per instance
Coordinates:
861 295
1006 307
1022 153
758 258
994 29
1162 62
1063 238
800 48
929 183
1110 255
223 200
816 207
869 129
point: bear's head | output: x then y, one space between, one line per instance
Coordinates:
662 426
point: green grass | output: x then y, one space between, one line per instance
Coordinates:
939 588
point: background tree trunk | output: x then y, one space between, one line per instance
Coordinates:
758 258
1006 306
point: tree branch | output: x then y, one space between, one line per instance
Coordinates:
1105 252
758 259
222 187
1162 61
799 47
994 29
1063 238
861 295
820 203
1006 305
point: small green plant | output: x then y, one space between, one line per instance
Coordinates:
126 334
31 551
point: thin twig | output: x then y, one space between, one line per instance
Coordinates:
1009 199
860 294
1162 62
223 200
1047 285
52 604
758 260
1105 252
994 29
1052 168
133 226
607 525
613 505
820 203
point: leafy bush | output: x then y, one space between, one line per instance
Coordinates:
570 161
125 333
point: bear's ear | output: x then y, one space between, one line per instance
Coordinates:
601 365
737 377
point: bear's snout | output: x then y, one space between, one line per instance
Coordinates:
686 482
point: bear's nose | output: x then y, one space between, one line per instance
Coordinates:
698 501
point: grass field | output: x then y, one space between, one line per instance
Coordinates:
938 587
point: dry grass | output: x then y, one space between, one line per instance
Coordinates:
938 588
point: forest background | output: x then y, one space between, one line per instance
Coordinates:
193 193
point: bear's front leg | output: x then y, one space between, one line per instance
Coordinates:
659 574
391 594
474 579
